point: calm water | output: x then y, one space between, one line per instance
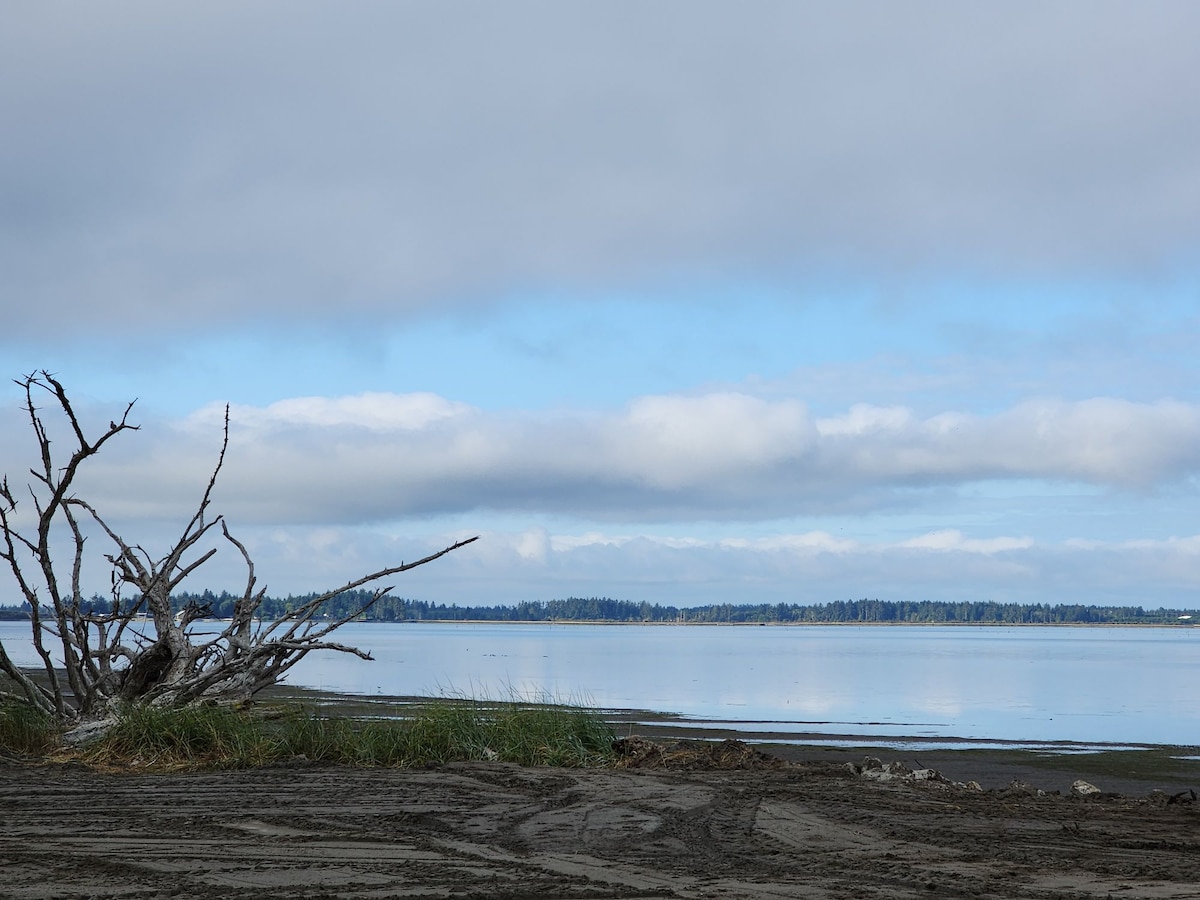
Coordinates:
1084 685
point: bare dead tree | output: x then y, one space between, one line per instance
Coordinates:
95 658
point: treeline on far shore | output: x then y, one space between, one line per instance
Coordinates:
605 609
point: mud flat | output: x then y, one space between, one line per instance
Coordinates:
691 823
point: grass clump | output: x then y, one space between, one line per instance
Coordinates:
439 731
187 736
25 731
551 736
532 734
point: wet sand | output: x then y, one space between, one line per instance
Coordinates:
773 830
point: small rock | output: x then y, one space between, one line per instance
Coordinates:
1084 789
873 770
881 776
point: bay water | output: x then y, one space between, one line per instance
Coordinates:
1037 685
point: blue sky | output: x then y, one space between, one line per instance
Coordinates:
676 302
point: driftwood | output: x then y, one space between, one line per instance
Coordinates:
107 656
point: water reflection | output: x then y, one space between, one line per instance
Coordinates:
1044 684
1122 685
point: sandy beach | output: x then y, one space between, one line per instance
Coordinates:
715 820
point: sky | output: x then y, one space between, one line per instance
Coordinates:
677 302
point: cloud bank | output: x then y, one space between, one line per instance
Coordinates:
672 499
382 457
189 166
805 567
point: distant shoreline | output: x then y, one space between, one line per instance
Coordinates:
365 606
768 624
687 624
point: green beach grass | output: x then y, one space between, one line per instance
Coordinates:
24 731
437 731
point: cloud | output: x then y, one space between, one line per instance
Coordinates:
380 457
372 411
186 167
1099 440
672 499
685 570
673 442
954 540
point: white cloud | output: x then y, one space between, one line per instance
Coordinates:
810 543
723 456
953 540
561 542
863 419
374 411
679 442
323 489
533 545
1100 440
